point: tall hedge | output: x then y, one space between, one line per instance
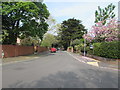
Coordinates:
107 49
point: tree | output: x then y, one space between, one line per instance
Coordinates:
108 32
76 42
30 41
106 26
104 14
53 26
23 19
48 40
70 30
52 22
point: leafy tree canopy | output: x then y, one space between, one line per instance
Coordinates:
48 40
23 19
104 14
70 30
30 41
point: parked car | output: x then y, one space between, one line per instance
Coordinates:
53 50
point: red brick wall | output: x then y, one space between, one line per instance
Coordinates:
17 50
9 50
41 49
24 50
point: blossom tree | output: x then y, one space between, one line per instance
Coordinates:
100 32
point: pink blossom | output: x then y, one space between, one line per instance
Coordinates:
108 31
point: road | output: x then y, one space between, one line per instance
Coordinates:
57 70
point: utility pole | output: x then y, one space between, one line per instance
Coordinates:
84 45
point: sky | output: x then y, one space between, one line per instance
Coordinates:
83 10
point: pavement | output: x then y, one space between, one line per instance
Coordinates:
22 58
57 70
95 62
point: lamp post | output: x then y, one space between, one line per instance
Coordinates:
84 45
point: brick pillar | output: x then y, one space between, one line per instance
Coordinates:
72 49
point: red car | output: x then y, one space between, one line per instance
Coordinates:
53 49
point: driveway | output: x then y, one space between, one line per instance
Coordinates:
57 70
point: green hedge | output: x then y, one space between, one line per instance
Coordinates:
106 49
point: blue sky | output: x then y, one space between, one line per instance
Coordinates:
82 10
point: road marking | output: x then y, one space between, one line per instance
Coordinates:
93 63
91 59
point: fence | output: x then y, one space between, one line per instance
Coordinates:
42 49
17 50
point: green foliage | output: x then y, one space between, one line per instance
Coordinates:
89 51
48 40
76 42
78 48
52 22
2 36
82 48
104 14
70 47
26 41
23 19
78 45
106 49
70 30
30 41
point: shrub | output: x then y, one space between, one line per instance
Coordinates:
86 49
90 51
76 42
78 48
70 47
107 49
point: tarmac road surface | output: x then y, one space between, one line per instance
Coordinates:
57 70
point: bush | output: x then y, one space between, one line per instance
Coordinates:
89 51
70 47
76 42
77 48
86 49
107 49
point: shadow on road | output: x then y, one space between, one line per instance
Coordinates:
60 80
70 80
